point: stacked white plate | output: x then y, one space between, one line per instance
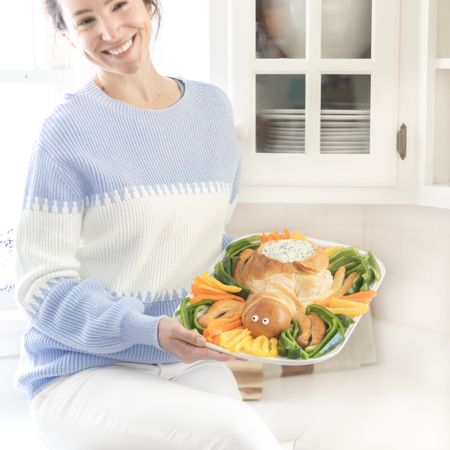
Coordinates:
345 131
284 130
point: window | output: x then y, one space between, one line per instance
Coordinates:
34 73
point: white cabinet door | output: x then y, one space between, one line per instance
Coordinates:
314 86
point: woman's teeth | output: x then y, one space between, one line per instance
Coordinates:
121 49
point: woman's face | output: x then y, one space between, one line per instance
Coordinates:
114 35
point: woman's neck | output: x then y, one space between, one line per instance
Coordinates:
145 89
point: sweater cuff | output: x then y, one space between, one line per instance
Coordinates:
142 329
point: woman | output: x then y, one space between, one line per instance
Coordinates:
132 180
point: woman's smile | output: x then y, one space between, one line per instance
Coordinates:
121 50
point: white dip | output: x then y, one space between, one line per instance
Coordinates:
288 250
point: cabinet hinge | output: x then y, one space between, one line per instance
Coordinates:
401 141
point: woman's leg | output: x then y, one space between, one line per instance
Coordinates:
117 407
216 377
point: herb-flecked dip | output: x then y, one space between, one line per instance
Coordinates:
288 250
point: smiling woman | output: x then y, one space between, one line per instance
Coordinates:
133 178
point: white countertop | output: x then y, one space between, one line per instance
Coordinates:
400 402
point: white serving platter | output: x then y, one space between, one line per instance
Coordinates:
279 360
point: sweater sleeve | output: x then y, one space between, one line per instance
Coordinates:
79 313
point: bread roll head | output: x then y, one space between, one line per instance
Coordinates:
266 316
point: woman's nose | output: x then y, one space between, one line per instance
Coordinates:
110 30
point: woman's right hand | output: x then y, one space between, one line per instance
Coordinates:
187 345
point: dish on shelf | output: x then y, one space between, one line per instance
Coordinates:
282 298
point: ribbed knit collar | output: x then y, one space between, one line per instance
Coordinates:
92 90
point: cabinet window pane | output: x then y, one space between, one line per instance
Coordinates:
280 28
346 28
345 114
280 113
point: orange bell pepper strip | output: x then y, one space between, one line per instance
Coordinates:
203 289
214 329
362 296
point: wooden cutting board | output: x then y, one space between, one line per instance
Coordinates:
249 376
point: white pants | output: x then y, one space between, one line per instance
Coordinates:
138 407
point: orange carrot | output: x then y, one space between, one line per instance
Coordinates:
287 234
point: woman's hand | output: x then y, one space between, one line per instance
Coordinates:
187 345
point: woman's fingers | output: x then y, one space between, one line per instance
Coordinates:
192 353
188 336
187 345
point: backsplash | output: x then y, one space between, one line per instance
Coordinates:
413 242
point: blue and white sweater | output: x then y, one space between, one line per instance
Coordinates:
123 207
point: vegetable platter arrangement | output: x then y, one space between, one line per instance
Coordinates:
282 298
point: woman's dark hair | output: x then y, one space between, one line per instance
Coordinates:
54 11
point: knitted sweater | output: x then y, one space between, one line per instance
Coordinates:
123 206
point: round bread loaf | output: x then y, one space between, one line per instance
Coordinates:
301 266
266 316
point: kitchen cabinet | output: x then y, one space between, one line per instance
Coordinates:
302 72
434 158
314 87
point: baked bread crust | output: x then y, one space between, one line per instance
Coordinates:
307 279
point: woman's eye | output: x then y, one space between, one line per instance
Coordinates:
85 21
265 321
255 318
119 5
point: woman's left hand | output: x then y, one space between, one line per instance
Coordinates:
187 345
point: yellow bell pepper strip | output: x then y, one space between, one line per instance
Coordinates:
234 340
213 282
261 346
214 297
351 312
221 275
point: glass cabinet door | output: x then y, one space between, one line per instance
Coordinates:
314 82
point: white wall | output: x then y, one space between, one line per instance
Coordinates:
412 241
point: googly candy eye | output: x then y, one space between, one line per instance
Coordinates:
255 318
265 321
